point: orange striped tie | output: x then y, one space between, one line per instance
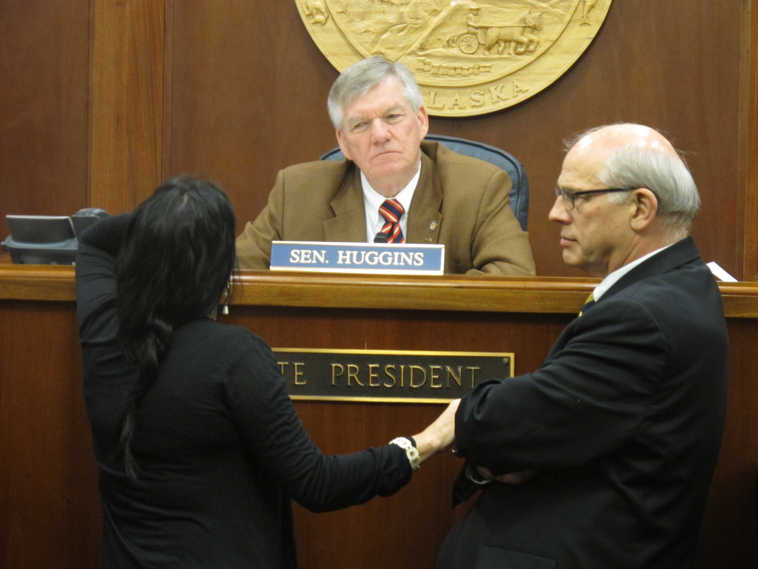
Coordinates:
391 211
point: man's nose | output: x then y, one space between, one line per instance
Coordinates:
379 130
559 212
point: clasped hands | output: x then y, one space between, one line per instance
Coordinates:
440 435
506 478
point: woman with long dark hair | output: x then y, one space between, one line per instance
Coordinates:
199 448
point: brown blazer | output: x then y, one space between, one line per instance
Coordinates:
460 201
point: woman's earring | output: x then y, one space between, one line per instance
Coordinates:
225 306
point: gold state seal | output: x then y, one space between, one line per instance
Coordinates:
468 57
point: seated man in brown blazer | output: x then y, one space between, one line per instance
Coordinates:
393 187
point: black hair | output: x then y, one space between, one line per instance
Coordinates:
174 265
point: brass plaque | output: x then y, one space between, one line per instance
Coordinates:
388 375
469 58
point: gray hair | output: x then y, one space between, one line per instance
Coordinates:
362 76
663 173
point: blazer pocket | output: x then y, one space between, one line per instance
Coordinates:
492 557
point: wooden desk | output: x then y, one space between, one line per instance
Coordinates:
49 510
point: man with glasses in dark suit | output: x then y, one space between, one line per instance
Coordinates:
602 458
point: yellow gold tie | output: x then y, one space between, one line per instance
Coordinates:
587 303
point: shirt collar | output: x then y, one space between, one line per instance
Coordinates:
373 199
614 277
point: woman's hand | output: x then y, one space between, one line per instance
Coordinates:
440 434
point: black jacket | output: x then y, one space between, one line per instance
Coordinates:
622 424
220 448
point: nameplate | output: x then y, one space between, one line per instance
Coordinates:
383 376
376 258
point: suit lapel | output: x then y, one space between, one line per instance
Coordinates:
349 221
678 254
424 216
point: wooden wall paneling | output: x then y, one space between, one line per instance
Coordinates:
358 537
248 98
49 509
749 147
373 535
126 102
44 60
529 335
732 508
643 66
247 95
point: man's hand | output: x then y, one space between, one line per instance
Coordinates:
508 477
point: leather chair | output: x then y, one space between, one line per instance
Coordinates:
519 195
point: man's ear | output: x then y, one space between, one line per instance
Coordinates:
423 119
341 143
645 204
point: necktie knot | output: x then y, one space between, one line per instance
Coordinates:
391 210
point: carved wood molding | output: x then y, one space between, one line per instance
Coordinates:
530 295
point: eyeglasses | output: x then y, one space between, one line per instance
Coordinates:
569 198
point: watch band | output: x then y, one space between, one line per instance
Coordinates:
408 445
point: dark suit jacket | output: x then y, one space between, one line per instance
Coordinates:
459 201
622 423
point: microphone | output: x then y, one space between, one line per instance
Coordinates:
380 237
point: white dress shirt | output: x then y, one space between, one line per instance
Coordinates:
614 277
373 199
